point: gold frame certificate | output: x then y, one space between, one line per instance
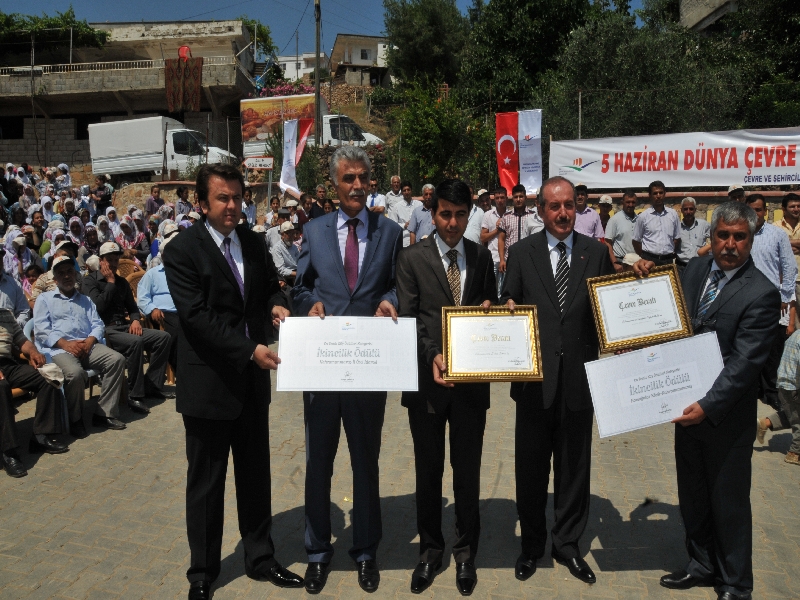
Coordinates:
634 312
496 345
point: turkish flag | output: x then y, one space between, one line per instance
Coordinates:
507 126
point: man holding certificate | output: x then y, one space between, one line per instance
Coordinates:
346 268
445 269
714 437
554 417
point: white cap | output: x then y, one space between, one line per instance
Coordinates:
194 215
109 248
286 226
290 203
735 187
60 260
605 199
65 243
481 192
93 263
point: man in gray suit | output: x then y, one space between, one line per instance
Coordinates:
346 268
714 436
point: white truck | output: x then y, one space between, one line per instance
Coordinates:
136 148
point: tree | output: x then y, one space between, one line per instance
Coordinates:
426 39
266 47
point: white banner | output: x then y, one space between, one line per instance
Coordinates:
530 149
288 173
721 158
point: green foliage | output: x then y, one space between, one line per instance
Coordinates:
385 96
775 104
426 39
308 169
266 47
51 32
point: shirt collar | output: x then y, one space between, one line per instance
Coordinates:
343 218
444 248
552 241
684 226
218 237
655 212
728 274
586 210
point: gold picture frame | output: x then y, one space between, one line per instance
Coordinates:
673 323
533 361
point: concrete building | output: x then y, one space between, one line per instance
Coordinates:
294 67
360 60
699 14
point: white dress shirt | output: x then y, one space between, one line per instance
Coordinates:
473 231
552 242
361 233
461 261
236 247
722 282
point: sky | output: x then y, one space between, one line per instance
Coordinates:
284 17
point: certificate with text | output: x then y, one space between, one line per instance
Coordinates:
633 312
341 354
653 385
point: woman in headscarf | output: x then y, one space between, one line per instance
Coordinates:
152 228
28 197
63 181
18 256
85 216
104 233
132 208
131 239
113 222
76 230
166 212
18 215
167 228
47 208
68 209
56 237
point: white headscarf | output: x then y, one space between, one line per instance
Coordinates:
114 225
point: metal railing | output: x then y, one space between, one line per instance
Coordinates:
122 65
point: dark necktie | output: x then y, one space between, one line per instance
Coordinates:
562 274
351 255
711 294
454 276
232 264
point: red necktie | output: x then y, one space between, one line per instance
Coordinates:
351 255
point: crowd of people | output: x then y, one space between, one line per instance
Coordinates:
207 289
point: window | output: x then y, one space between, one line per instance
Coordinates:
366 54
345 129
189 143
11 128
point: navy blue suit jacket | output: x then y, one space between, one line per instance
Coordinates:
320 268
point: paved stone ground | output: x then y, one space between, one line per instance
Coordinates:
106 520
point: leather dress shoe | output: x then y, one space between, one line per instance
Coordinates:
47 444
278 576
730 596
525 567
78 430
369 577
423 575
578 567
138 406
199 590
316 577
161 395
681 580
466 578
13 465
107 422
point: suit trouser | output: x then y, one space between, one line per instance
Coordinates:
714 497
48 403
788 417
565 435
361 413
208 442
768 382
467 425
157 343
104 360
172 325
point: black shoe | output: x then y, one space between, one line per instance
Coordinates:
199 590
730 596
48 444
578 567
78 430
138 406
161 395
422 577
466 578
369 577
278 576
13 465
681 580
525 567
316 577
107 422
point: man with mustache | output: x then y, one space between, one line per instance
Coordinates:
725 293
554 417
346 268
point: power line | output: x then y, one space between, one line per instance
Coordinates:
296 28
216 10
361 16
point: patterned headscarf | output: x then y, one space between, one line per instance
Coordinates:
79 239
130 239
92 249
11 260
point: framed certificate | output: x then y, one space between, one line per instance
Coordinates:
491 346
636 312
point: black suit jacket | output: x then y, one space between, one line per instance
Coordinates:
422 291
744 316
216 374
571 336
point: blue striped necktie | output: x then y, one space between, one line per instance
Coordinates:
711 293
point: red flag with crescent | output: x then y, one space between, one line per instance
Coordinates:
506 146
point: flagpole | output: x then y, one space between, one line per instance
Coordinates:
317 111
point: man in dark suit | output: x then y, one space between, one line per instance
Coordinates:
346 267
227 296
445 269
714 437
554 417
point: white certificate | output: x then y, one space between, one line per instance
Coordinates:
638 308
653 385
339 354
493 344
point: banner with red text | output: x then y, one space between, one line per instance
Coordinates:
720 158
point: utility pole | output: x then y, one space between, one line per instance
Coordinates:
317 100
297 53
